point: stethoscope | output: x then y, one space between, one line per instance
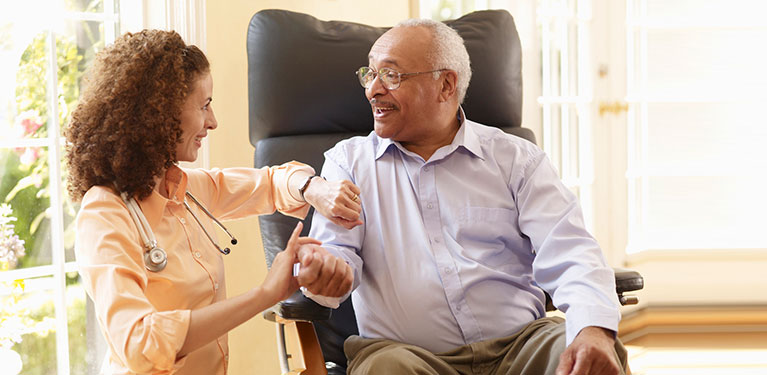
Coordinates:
155 258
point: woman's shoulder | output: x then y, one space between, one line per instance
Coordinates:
99 197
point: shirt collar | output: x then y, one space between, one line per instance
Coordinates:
382 146
465 137
153 206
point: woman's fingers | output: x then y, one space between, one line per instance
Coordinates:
307 241
292 246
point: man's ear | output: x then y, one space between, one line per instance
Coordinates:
449 85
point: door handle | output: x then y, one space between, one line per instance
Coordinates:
615 108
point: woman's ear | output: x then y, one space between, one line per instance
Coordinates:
449 85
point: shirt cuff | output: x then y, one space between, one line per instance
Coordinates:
169 329
332 302
578 318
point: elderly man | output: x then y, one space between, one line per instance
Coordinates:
465 226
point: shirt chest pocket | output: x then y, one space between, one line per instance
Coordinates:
485 224
487 235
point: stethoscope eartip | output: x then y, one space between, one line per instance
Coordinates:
226 251
234 241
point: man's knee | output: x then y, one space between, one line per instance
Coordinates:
386 360
388 357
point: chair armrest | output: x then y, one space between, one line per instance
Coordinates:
627 280
298 307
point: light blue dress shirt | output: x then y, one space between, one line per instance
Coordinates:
456 250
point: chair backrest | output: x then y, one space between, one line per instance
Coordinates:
304 97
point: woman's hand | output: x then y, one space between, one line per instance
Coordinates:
336 200
280 282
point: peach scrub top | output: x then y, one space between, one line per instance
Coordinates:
144 315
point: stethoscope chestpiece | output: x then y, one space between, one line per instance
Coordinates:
155 259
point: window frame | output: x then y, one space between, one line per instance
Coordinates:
187 17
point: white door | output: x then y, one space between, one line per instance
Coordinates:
680 142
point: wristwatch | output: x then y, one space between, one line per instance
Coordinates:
306 186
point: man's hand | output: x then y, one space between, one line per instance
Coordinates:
590 353
323 273
336 200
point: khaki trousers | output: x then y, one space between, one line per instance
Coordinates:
533 350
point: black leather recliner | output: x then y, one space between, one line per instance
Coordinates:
304 97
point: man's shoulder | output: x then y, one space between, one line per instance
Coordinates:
496 138
354 147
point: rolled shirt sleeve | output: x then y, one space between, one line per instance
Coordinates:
239 192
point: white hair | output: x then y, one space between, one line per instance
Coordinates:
447 51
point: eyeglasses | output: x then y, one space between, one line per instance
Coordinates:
390 78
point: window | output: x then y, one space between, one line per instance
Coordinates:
46 320
46 46
567 95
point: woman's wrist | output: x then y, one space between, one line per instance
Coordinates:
296 183
263 298
305 186
312 188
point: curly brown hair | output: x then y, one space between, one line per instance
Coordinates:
126 126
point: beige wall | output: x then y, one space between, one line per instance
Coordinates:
253 349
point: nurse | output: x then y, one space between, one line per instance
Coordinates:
145 245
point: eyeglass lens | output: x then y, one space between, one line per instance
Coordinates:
390 78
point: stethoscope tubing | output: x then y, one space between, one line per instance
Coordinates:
155 258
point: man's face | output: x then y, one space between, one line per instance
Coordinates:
403 114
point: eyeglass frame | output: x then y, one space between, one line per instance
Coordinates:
399 76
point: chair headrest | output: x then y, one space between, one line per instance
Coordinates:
301 72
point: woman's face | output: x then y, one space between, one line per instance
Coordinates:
196 118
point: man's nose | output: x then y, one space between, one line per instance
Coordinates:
376 88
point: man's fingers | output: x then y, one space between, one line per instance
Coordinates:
349 210
345 279
337 274
350 186
326 281
326 274
348 224
311 266
565 363
582 363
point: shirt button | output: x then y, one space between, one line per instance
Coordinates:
226 357
425 169
197 254
448 270
182 220
429 206
458 308
215 285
